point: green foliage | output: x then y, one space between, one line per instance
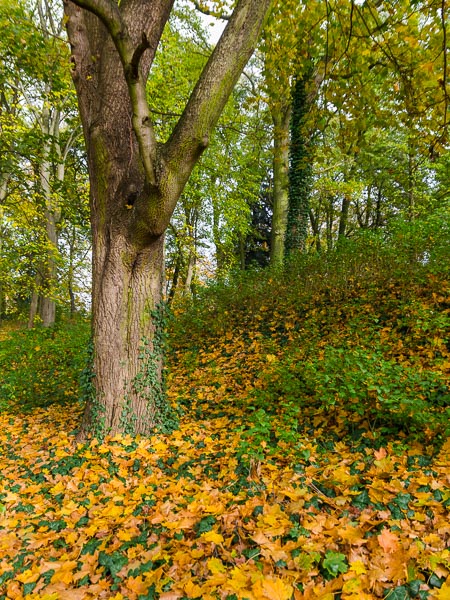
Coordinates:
401 397
42 366
254 440
359 335
334 563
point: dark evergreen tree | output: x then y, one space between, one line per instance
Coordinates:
300 169
257 243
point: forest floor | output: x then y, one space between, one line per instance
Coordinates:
256 495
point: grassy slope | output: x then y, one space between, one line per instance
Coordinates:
280 483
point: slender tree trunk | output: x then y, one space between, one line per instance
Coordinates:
190 271
47 307
191 223
50 127
378 214
369 203
343 219
315 226
175 278
71 272
300 169
218 245
242 253
411 178
34 303
281 117
329 226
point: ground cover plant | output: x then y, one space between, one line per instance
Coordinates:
311 460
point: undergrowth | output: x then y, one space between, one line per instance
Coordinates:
42 366
351 341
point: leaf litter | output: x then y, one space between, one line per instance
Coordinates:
214 511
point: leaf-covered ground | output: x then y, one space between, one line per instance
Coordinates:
175 517
239 502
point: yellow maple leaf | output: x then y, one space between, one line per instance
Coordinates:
125 536
65 573
350 534
357 566
28 576
193 590
57 489
215 565
239 579
388 541
272 589
212 536
113 510
136 584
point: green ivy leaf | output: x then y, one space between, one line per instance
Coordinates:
335 563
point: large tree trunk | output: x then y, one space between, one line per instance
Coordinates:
128 353
128 270
135 184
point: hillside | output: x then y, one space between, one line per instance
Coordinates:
311 459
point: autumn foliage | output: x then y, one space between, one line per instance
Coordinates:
279 483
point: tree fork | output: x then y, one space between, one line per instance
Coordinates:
135 185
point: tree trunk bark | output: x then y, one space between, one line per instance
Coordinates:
34 304
71 272
47 305
281 118
175 278
128 354
343 219
218 244
330 221
378 215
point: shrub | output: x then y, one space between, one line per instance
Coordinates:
42 366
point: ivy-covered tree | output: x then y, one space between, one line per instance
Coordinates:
300 169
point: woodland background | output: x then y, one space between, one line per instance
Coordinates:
308 284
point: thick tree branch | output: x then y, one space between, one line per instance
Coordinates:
191 134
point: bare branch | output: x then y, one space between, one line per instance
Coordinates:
210 13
